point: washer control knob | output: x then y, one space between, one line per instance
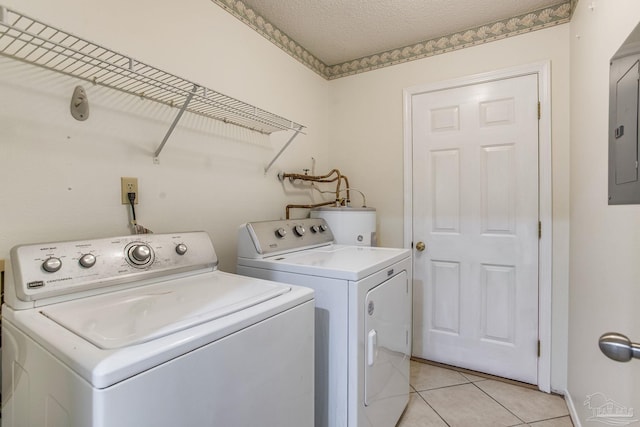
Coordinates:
299 230
181 249
323 228
87 260
140 254
315 228
52 264
280 233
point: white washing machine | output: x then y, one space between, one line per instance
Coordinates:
363 315
144 331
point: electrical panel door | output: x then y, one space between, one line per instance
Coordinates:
624 187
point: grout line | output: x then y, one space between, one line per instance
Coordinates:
495 400
442 387
554 418
464 374
434 410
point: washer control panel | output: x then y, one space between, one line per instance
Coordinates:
51 269
261 238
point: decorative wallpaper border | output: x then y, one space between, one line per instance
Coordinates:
537 20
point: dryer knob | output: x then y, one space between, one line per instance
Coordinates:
315 228
323 228
299 230
280 233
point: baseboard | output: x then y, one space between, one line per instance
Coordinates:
572 409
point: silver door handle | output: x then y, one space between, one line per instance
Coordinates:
618 347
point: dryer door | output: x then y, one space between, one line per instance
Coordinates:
387 348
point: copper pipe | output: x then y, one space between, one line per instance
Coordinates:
289 207
323 178
318 178
312 177
346 184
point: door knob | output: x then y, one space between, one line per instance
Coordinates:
420 246
618 347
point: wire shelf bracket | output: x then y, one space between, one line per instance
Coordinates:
284 147
173 125
31 41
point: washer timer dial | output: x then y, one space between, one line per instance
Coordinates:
139 255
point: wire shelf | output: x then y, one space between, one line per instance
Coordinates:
34 42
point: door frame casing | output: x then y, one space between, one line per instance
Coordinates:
542 70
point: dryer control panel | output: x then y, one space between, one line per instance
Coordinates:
257 239
46 270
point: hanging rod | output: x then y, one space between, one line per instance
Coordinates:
34 42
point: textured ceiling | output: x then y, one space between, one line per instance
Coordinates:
341 37
337 31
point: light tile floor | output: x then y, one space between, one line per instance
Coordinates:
444 397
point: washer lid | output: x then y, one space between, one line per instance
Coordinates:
141 314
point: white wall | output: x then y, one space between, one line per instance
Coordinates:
605 240
366 142
61 178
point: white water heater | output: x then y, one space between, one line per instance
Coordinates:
350 226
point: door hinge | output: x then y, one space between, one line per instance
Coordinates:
538 348
539 111
539 229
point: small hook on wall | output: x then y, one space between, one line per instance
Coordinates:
79 104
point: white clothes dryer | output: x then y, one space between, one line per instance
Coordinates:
363 315
142 331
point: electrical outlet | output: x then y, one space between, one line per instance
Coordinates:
129 185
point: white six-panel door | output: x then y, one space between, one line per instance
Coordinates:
475 207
